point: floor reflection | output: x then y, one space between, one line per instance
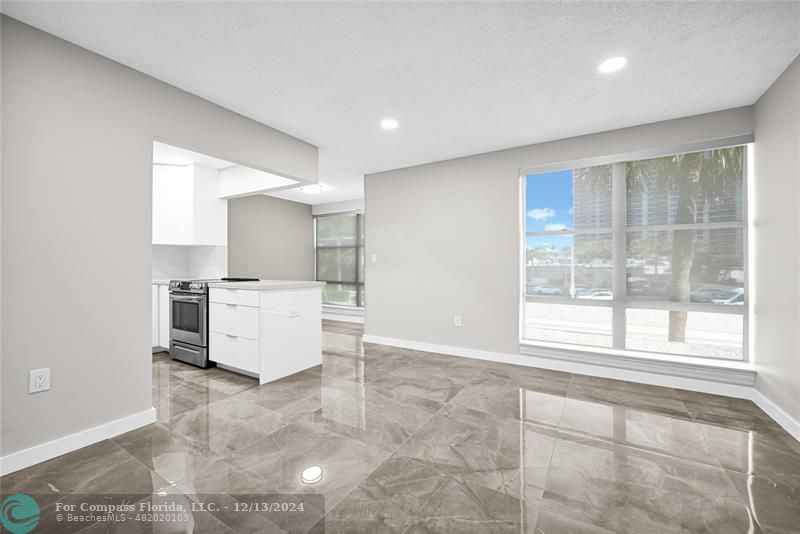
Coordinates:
399 440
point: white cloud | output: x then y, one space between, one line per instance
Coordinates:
540 214
554 227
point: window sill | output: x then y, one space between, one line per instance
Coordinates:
343 313
723 371
356 310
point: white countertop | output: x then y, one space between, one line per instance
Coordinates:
161 282
268 285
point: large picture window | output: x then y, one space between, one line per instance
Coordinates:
646 255
340 258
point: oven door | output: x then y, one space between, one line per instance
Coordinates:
188 315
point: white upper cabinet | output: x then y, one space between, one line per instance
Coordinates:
186 207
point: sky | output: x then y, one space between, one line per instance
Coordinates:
548 207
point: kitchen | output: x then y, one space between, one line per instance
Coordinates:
202 314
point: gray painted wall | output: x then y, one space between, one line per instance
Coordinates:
447 234
270 238
776 242
76 215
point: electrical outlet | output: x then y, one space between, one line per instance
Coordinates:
39 380
456 320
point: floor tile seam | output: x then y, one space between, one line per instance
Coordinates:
400 365
428 420
259 440
298 419
360 482
688 417
548 499
382 392
169 484
237 426
220 391
515 420
561 429
570 503
173 485
641 450
745 499
591 388
390 455
439 486
708 444
580 521
185 440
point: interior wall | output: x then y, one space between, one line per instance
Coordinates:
270 238
447 235
170 262
78 132
178 261
775 242
208 262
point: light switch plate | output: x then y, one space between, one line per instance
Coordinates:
39 380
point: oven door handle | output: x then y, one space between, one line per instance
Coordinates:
182 298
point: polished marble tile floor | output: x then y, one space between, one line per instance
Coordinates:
417 442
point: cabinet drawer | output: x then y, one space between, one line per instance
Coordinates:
238 352
233 319
242 297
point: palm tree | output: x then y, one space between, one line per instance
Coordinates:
695 180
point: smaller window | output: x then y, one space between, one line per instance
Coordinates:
340 258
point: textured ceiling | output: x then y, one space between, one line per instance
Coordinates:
461 78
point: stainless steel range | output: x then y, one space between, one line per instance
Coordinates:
188 319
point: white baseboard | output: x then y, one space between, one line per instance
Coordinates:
345 314
788 423
705 370
343 318
46 451
643 376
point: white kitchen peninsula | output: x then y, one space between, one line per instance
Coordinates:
269 329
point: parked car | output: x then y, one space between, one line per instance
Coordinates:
734 297
637 285
709 294
546 290
599 294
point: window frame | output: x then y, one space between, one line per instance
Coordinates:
619 238
359 246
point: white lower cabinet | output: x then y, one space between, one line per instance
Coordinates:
233 329
270 334
160 314
291 332
233 351
154 315
239 321
163 316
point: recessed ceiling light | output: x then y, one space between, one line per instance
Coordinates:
612 64
389 124
311 475
312 189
